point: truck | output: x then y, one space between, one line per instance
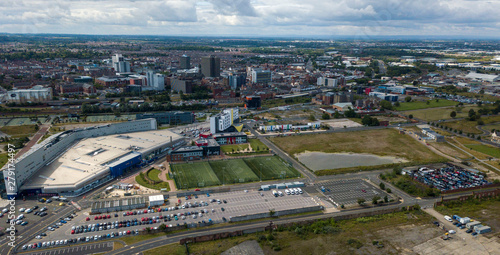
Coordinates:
275 193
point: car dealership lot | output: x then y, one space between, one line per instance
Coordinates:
237 203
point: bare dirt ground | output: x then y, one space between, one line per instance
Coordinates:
246 248
341 123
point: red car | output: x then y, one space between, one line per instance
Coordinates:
145 211
87 219
128 232
197 190
72 232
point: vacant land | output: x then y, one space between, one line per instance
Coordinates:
485 211
477 146
441 113
382 142
257 145
394 233
233 171
470 126
415 105
18 131
3 159
270 168
448 149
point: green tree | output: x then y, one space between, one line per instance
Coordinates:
386 199
408 99
375 200
385 105
427 103
325 116
311 117
361 201
388 190
410 116
382 186
453 114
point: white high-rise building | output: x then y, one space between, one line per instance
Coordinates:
224 120
155 80
119 64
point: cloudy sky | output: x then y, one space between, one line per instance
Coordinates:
253 17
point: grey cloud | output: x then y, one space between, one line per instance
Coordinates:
234 7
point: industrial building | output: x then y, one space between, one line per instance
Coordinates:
171 118
187 153
209 145
36 94
108 206
156 200
73 162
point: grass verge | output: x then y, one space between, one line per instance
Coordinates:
162 185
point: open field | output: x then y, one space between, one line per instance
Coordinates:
470 126
230 148
198 174
441 113
492 126
415 105
488 150
480 96
483 150
449 150
3 159
272 168
397 232
485 211
18 131
257 145
233 171
382 142
460 141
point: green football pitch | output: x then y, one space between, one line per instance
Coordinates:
204 174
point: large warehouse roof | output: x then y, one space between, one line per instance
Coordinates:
90 158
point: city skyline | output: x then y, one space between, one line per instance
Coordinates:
361 18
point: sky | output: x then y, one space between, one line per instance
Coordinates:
302 18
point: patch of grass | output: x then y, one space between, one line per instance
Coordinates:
138 238
488 150
382 142
233 171
415 105
153 174
410 186
18 131
194 175
441 113
117 245
470 126
4 157
492 126
257 145
480 96
230 148
270 168
162 185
